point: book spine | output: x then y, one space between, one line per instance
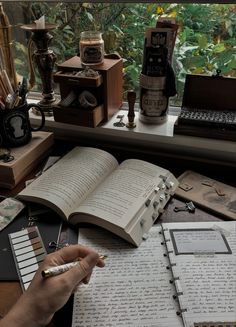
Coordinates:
175 280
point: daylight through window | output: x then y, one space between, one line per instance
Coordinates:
206 39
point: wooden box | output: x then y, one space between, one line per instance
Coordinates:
26 159
107 89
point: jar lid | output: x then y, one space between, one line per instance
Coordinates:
91 35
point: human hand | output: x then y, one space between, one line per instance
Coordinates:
47 295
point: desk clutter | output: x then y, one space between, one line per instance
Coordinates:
160 281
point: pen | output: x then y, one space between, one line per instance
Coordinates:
57 270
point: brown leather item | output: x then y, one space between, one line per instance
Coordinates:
208 194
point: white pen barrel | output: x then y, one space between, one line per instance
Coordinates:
59 269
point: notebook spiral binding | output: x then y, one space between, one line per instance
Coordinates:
179 313
175 296
168 252
164 242
174 279
171 265
163 230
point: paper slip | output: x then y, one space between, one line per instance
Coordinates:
9 209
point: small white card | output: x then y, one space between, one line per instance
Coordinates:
197 241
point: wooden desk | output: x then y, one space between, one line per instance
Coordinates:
11 291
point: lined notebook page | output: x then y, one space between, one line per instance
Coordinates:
208 281
133 289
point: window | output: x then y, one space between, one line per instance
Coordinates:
206 38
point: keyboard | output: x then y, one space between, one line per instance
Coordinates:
208 118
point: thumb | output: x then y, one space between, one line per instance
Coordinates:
84 268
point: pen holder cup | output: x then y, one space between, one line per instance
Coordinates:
15 126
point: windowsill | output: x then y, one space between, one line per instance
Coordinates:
145 138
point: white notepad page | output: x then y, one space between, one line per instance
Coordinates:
133 289
207 280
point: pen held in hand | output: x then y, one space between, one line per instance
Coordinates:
57 270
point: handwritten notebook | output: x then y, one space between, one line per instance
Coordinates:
184 274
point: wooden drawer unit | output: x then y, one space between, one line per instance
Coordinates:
107 88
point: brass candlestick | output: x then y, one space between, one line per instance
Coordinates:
44 59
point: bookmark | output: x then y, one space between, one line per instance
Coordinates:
28 252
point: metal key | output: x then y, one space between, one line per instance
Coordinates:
189 206
119 123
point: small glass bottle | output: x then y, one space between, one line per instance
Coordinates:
91 48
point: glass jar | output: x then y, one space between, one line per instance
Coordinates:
91 48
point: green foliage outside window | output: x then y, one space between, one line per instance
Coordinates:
206 38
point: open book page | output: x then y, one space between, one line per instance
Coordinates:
133 289
205 258
124 192
66 184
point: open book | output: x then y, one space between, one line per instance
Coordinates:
88 185
136 289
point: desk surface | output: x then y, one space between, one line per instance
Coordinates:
10 291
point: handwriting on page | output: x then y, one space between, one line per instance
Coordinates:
190 241
132 290
208 285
